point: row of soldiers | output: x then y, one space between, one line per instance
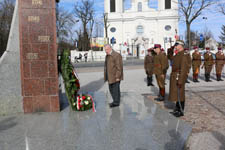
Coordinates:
157 62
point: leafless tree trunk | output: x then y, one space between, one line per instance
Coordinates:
6 14
106 25
191 10
84 11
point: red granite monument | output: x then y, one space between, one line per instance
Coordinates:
38 55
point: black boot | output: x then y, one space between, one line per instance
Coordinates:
217 77
206 78
209 78
151 84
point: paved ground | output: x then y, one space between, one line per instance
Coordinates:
138 124
205 105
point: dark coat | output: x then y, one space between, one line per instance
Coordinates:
113 68
148 65
178 76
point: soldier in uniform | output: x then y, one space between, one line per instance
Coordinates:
208 64
186 50
220 58
196 64
178 77
160 68
167 63
148 65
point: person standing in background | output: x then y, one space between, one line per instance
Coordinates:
149 65
196 64
220 58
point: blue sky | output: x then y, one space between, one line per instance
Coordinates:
213 22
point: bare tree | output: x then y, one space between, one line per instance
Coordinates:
222 37
84 11
64 22
191 10
222 7
6 14
106 25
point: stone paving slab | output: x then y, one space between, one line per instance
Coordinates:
205 103
138 124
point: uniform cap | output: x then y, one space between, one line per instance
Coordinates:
179 42
207 48
162 49
196 47
186 49
219 48
149 50
157 46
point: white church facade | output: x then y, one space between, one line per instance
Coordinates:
140 27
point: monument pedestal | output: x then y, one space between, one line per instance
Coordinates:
38 55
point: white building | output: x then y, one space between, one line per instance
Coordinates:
140 27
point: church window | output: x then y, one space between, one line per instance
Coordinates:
167 4
140 30
112 5
168 27
113 29
139 6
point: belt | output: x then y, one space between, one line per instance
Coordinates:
175 70
157 65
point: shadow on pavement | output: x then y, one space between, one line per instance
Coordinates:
7 123
92 86
221 138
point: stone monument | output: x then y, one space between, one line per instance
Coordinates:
38 55
28 68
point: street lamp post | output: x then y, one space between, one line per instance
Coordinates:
205 18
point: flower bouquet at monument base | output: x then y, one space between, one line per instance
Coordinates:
83 102
79 102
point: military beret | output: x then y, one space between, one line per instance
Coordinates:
149 50
196 47
186 49
157 46
219 48
162 49
207 48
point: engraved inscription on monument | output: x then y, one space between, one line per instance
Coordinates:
44 38
32 56
35 19
37 2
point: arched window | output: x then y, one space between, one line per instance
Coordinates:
139 6
167 4
112 5
140 30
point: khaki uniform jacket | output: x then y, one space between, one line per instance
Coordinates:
178 76
189 61
208 62
196 60
113 67
160 64
148 65
220 60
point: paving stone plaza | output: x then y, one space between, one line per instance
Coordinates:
138 124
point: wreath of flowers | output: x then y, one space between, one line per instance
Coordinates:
77 102
83 102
